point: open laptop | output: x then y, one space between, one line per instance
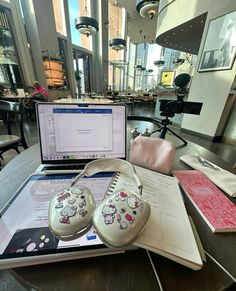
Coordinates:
72 135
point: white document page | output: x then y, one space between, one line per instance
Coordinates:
168 230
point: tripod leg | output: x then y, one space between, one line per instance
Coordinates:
163 132
179 137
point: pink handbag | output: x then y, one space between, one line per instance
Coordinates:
155 154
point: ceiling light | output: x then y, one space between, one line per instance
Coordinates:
86 25
120 64
147 8
117 43
159 63
137 67
178 61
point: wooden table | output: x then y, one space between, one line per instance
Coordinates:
131 270
14 97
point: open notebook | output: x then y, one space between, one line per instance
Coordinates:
72 135
168 231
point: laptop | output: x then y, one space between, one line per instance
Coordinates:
73 134
70 135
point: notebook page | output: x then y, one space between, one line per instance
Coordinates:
168 230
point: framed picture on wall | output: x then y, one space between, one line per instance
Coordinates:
167 78
220 44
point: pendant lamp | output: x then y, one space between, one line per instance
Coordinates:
117 43
147 8
85 24
177 62
139 67
159 63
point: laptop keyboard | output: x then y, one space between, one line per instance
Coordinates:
67 167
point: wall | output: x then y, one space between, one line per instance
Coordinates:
230 130
211 88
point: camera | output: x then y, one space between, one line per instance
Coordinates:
171 107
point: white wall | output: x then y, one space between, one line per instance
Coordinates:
211 88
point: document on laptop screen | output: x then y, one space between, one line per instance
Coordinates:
82 129
72 132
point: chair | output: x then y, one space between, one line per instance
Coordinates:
10 110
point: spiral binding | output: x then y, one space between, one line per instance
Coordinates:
112 184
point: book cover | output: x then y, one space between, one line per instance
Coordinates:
215 208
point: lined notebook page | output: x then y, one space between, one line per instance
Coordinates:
168 231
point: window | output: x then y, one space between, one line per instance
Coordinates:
154 54
116 17
78 8
9 68
59 15
131 60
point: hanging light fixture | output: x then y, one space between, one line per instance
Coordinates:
159 63
147 8
117 43
139 67
179 61
85 24
118 63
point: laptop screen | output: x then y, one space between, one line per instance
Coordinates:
72 133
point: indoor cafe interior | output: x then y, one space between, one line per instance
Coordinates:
170 62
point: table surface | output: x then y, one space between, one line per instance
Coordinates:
14 97
131 270
83 100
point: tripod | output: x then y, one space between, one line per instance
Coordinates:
163 125
164 128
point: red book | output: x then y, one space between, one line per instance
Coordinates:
215 208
